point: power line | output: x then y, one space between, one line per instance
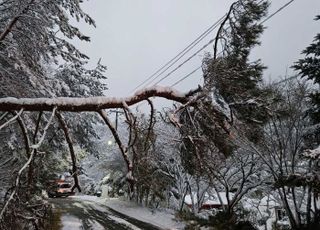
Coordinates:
195 70
212 40
185 77
277 11
175 59
162 72
209 30
185 61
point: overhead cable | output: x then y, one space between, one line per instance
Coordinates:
212 40
175 59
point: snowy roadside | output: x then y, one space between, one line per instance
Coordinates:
163 219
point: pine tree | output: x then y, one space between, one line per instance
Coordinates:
37 59
231 83
309 67
33 36
232 76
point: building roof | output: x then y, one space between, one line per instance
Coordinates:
211 199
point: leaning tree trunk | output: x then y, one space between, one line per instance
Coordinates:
72 152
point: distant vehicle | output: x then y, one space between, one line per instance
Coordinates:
98 193
60 189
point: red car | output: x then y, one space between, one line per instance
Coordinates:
60 189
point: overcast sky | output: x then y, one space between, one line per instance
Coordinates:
136 37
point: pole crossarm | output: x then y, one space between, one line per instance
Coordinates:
77 104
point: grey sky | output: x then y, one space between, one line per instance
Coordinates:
135 37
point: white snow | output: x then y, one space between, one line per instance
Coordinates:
209 199
95 225
220 104
264 208
104 102
313 154
70 223
161 218
122 221
160 89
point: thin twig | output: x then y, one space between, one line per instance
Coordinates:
12 119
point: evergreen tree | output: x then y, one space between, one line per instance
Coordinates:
37 59
232 78
309 67
231 84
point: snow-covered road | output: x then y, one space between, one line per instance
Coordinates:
75 213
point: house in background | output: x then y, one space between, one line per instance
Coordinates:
268 212
268 209
207 202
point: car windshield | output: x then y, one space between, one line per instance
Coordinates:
65 186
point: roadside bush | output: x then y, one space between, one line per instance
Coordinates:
229 221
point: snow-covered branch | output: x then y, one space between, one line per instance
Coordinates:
12 119
92 103
25 135
14 21
312 154
17 182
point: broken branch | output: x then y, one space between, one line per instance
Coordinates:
91 103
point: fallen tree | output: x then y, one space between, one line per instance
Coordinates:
75 104
96 104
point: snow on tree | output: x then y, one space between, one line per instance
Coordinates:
34 41
231 75
312 153
309 67
281 151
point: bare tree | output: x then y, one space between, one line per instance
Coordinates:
285 139
237 176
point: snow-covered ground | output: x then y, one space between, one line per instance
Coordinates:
80 214
164 219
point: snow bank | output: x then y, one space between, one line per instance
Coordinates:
162 219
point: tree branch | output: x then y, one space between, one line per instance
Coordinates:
25 135
9 28
131 120
114 132
151 122
3 116
34 147
31 166
14 21
65 129
219 31
92 103
122 148
12 119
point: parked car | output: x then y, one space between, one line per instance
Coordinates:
60 189
98 193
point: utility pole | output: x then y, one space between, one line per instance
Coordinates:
117 112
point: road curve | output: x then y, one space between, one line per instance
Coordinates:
74 213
